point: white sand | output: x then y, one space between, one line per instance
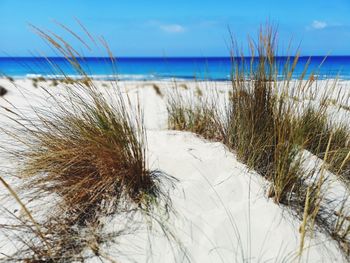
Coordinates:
223 214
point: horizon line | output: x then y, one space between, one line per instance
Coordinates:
171 57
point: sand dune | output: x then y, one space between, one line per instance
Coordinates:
222 212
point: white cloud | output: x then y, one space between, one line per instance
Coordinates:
316 24
172 28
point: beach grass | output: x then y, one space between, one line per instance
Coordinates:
3 91
317 130
269 130
194 113
86 150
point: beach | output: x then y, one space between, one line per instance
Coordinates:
222 213
174 131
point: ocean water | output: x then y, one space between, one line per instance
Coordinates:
212 68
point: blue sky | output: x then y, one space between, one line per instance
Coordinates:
177 28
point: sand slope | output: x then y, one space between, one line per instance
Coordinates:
222 213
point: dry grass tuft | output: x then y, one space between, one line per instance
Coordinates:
89 153
260 122
10 79
269 129
157 90
196 114
183 86
87 149
199 92
317 131
3 91
54 83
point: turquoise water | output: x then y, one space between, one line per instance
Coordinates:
212 68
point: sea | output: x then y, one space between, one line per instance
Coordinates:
161 68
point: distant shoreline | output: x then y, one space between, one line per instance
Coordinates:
160 68
167 57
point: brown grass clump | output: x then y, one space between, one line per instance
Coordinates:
3 91
54 83
259 121
11 79
197 115
68 80
314 128
183 86
157 90
88 150
269 129
344 107
35 81
199 92
87 155
317 131
90 153
261 125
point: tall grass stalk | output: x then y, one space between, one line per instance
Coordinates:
269 125
89 150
